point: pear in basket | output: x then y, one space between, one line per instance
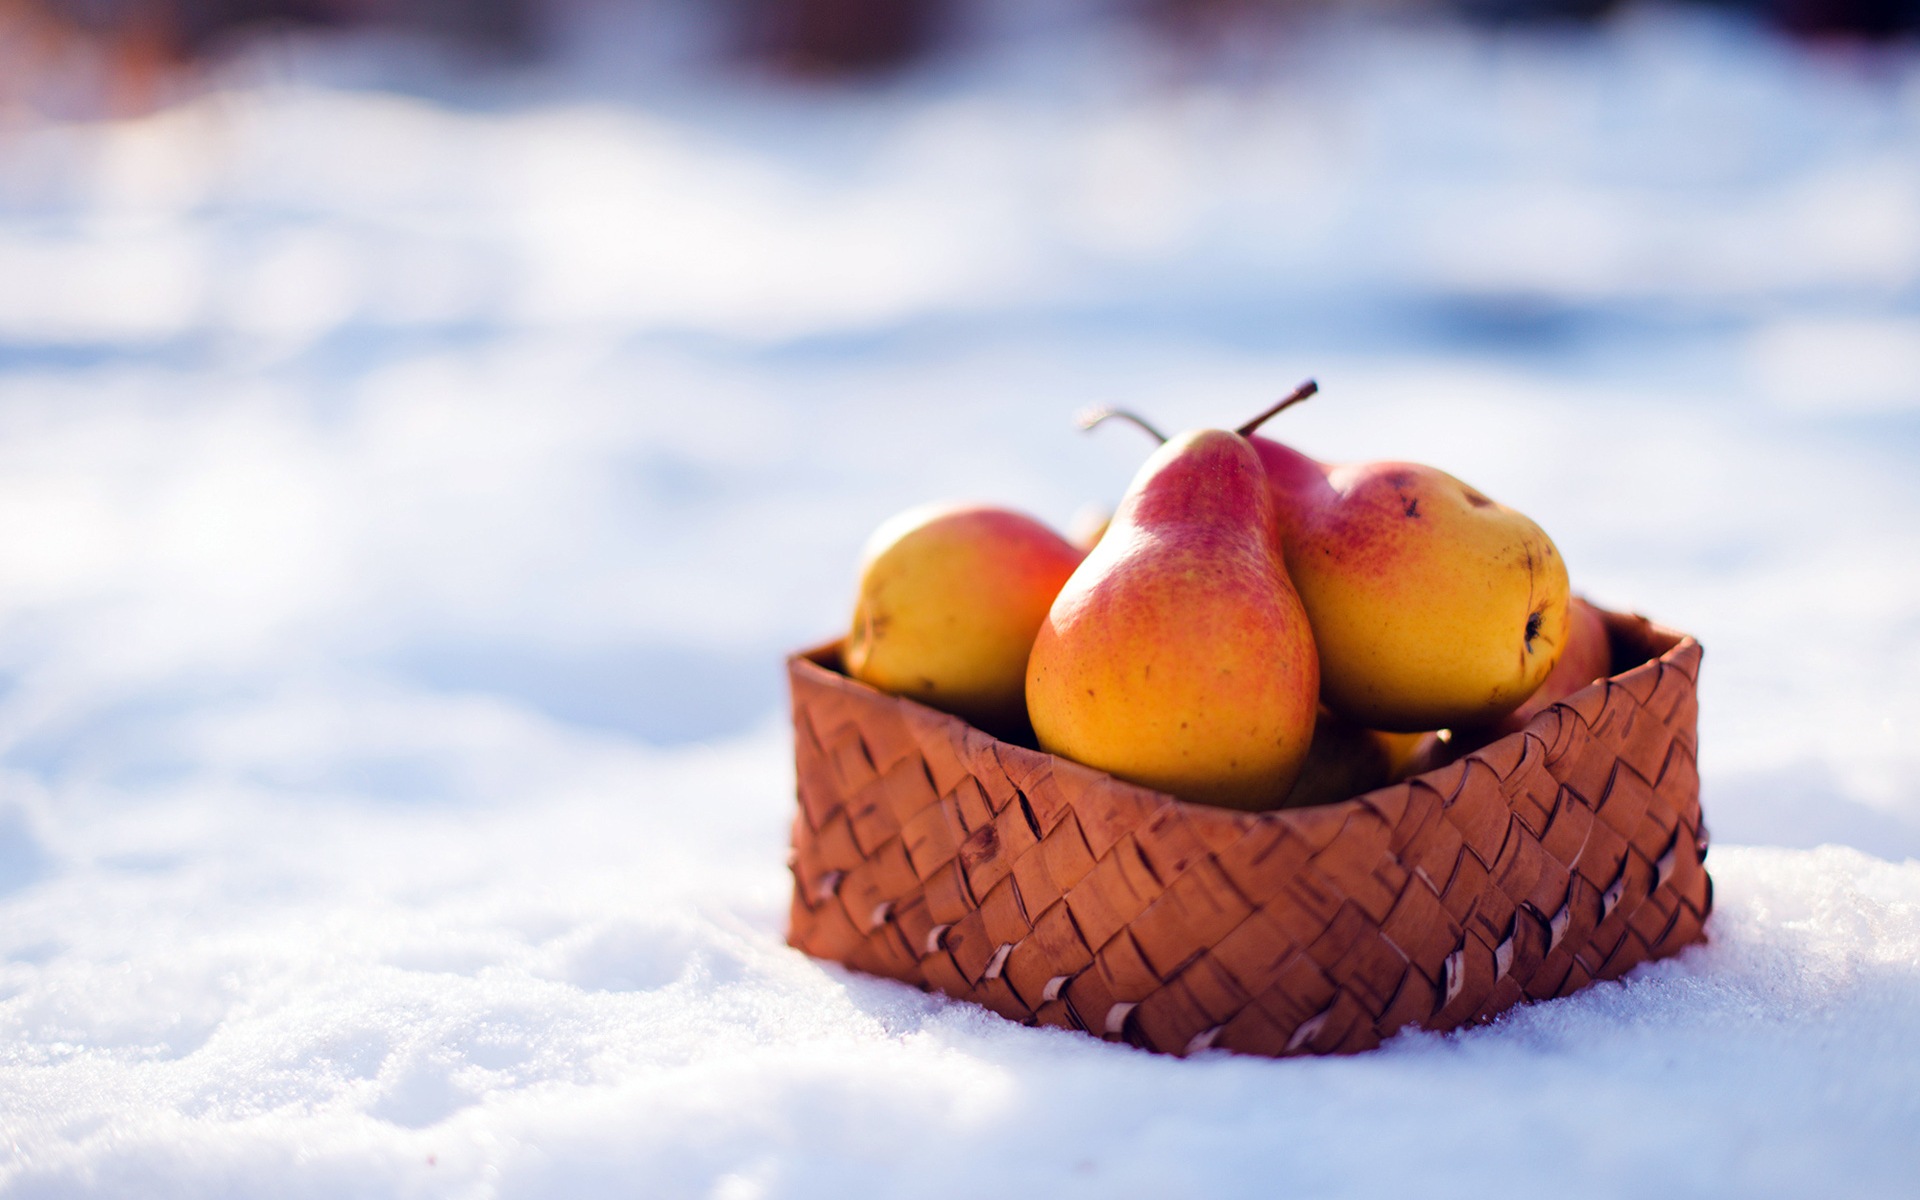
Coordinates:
1433 606
1344 760
1178 656
950 598
1588 657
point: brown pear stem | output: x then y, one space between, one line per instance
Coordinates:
1090 417
1292 398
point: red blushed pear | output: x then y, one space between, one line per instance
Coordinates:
1178 655
1433 606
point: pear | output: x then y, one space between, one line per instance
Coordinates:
949 601
1178 656
1342 761
1433 606
1346 760
1402 751
1588 657
1431 751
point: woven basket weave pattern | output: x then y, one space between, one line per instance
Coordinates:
930 852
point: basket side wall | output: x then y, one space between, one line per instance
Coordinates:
929 852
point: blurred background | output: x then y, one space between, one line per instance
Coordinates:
558 355
136 40
425 426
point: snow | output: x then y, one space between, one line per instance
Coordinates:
409 485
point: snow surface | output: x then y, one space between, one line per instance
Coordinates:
409 484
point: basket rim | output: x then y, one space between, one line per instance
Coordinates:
1663 644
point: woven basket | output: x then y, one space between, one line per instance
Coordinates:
930 852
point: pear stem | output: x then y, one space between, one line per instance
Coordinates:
1090 417
1292 398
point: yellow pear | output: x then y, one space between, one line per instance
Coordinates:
1402 749
950 599
1433 606
1587 657
1344 760
1178 656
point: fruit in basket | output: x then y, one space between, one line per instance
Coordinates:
950 598
1401 749
1588 656
1432 605
1344 760
1178 655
